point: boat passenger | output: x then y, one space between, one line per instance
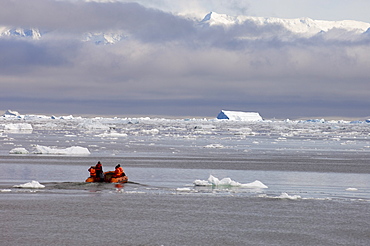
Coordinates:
119 172
99 171
92 171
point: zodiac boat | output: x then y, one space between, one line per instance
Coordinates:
108 178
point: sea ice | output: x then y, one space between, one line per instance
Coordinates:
93 125
151 131
18 127
285 195
111 135
351 189
183 189
19 151
33 185
213 181
214 146
74 150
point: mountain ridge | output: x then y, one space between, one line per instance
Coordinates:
297 25
304 27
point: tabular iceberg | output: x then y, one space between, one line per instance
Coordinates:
237 115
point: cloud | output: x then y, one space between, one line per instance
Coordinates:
172 64
86 16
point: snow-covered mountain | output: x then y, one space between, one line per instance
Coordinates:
104 38
304 27
32 33
35 34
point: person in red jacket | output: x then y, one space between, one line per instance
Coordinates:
92 171
118 172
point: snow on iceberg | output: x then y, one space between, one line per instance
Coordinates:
33 185
213 181
74 150
239 116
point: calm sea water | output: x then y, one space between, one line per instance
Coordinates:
161 205
318 187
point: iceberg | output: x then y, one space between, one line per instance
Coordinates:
239 116
11 113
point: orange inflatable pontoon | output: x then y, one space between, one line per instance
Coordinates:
108 178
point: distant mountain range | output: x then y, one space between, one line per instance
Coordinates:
304 27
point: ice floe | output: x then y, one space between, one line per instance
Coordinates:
214 146
351 189
17 128
213 181
74 150
283 195
19 151
31 185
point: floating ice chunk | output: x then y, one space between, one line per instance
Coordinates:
19 151
285 195
74 150
214 146
33 185
92 125
18 127
151 131
199 182
351 189
213 181
111 135
183 189
255 184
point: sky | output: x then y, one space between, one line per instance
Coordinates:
167 64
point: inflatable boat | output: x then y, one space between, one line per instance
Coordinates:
108 178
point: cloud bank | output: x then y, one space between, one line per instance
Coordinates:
169 64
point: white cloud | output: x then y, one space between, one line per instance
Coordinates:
171 62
